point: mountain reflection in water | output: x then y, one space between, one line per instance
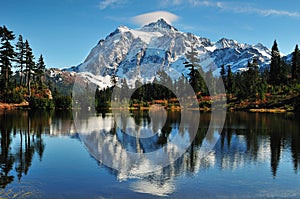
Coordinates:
246 140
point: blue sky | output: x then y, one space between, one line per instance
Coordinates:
64 31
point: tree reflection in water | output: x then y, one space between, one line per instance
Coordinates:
21 137
246 139
255 137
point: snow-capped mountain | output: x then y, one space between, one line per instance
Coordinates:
140 53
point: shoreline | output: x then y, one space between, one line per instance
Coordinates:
25 106
13 106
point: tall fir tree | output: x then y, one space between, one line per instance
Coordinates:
285 70
29 65
7 55
230 80
20 56
182 86
114 80
124 90
196 73
275 66
296 64
210 80
252 77
223 73
221 81
166 80
40 70
254 83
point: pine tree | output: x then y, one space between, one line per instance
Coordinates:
252 78
114 80
230 81
20 56
196 73
139 92
29 65
182 86
296 64
275 66
7 55
124 90
210 80
40 70
221 81
223 73
284 71
165 80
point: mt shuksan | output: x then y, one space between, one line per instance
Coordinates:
140 53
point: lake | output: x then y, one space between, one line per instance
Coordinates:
53 155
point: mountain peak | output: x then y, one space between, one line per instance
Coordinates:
229 43
134 53
161 23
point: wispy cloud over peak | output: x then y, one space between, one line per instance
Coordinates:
147 18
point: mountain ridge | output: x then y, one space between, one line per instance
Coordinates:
140 53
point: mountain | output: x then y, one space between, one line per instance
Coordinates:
140 53
288 58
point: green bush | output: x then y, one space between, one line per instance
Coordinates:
41 103
63 102
14 96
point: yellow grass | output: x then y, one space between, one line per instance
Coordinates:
275 110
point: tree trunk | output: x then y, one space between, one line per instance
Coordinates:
28 87
6 77
21 75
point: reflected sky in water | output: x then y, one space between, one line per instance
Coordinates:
257 155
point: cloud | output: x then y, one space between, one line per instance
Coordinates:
107 3
253 10
269 12
154 16
233 7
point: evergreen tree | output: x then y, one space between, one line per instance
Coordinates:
182 86
284 71
7 55
29 65
230 80
265 75
165 80
221 81
124 90
223 74
296 64
139 92
196 72
210 80
240 85
252 77
40 70
275 66
114 80
20 56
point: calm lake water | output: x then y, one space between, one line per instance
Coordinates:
44 155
